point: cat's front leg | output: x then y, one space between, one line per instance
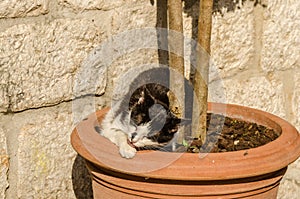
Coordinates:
125 149
119 138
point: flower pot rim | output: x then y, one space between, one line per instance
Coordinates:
190 166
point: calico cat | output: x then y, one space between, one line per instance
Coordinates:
146 122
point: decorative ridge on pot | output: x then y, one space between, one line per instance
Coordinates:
265 159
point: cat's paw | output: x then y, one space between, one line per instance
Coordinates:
127 151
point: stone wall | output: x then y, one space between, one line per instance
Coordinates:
45 44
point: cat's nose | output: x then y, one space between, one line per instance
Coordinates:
133 136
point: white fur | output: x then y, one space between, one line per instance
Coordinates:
120 132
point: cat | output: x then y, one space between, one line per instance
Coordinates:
147 122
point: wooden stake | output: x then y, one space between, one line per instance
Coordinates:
176 62
200 81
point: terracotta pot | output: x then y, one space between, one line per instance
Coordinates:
254 173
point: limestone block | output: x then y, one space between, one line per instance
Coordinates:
45 155
281 35
22 8
4 99
79 5
135 15
43 59
257 92
296 100
133 60
4 164
293 172
288 189
233 38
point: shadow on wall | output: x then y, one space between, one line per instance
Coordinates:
82 183
191 8
232 5
219 5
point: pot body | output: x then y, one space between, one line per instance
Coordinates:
108 185
249 174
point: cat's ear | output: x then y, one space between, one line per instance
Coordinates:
179 122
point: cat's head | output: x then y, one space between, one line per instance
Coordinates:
158 132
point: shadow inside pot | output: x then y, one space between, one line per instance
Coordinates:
81 181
